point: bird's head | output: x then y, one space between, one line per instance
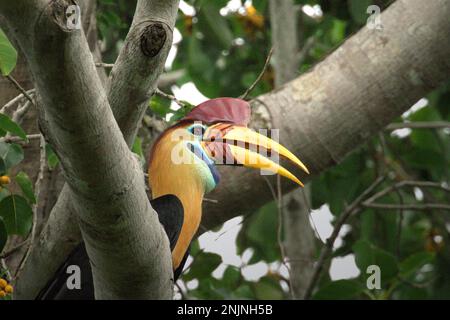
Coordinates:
214 133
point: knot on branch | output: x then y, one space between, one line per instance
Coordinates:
261 116
152 39
66 14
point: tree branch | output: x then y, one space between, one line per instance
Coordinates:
120 229
418 207
133 81
15 100
19 87
171 97
419 125
37 191
245 95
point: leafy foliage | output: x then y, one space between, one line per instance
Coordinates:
16 214
15 211
7 125
340 289
8 55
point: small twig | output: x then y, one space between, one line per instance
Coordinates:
328 246
210 200
19 139
416 285
411 183
15 100
400 222
104 65
279 235
419 125
14 249
170 78
171 97
371 202
5 267
266 65
37 190
277 196
303 53
19 87
418 207
19 114
382 164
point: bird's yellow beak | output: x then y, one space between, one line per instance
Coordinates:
238 145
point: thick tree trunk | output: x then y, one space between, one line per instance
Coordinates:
324 114
53 180
120 229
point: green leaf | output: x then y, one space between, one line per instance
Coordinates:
358 10
201 67
8 55
181 113
204 264
195 248
8 125
367 223
17 215
3 235
137 147
260 233
213 25
367 254
337 33
12 154
52 159
260 5
231 277
159 106
268 289
4 193
27 187
415 261
340 289
243 292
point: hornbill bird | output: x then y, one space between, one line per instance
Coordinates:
182 167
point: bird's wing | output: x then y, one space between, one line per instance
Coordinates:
170 214
57 288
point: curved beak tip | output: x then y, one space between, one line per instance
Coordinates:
243 142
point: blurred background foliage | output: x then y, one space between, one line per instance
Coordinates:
221 48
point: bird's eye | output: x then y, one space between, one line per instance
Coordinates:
197 130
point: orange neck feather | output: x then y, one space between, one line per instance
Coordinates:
165 177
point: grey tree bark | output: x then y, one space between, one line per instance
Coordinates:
324 114
53 179
120 229
299 237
